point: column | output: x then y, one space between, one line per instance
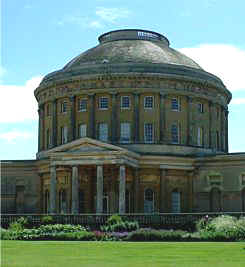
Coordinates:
99 186
136 190
136 118
222 131
40 127
54 123
226 131
114 127
72 130
189 119
162 117
75 187
53 189
190 177
210 105
163 191
91 128
122 189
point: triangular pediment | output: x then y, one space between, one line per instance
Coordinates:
85 145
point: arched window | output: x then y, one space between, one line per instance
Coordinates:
46 202
149 201
62 201
243 200
127 200
175 201
215 200
81 201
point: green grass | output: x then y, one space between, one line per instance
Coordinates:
116 254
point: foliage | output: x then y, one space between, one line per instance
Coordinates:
114 219
47 219
19 224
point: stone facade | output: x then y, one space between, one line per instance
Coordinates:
165 149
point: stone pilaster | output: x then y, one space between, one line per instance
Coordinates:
53 189
54 123
163 195
210 105
114 120
190 178
222 131
162 117
72 128
136 190
189 120
99 186
91 128
40 127
136 117
75 187
226 131
122 189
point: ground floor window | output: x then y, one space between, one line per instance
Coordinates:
243 200
127 201
105 203
62 201
149 201
215 200
176 197
46 202
81 201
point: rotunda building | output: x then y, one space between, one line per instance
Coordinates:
129 126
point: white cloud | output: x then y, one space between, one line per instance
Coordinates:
2 72
81 21
238 101
112 14
17 102
225 61
14 135
95 24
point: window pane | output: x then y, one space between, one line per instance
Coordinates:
64 106
125 102
199 136
175 202
125 132
148 102
175 134
83 130
103 103
103 132
148 132
175 104
82 104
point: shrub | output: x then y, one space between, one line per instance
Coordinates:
19 224
47 220
114 219
120 227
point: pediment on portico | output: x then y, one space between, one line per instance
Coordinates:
85 145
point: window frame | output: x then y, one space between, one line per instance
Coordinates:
100 102
200 136
79 104
152 134
79 130
145 102
178 104
129 137
64 135
121 102
99 133
200 107
177 125
63 107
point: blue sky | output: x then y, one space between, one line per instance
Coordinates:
39 37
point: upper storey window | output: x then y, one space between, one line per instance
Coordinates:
64 135
64 107
125 132
200 136
175 134
82 104
175 104
148 102
125 102
243 179
103 132
148 132
103 102
82 130
200 107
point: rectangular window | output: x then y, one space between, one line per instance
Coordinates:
64 135
175 104
103 102
200 107
82 130
200 136
217 139
125 102
125 132
48 139
148 102
103 132
148 132
82 104
175 134
63 107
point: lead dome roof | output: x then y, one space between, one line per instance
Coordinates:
132 51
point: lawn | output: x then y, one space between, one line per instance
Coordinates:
116 254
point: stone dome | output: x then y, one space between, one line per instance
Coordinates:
132 51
